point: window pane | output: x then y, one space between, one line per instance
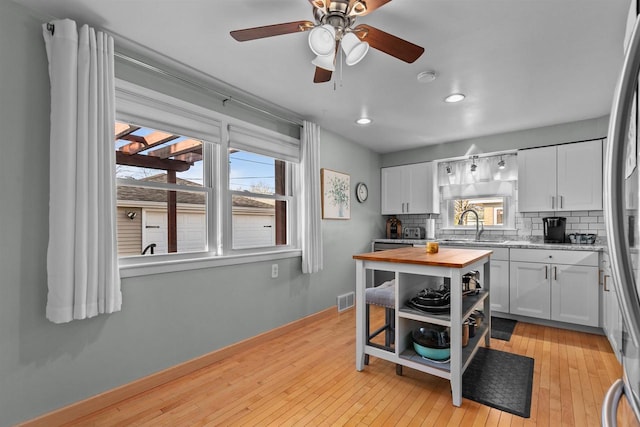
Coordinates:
151 155
157 221
145 217
258 222
490 211
255 173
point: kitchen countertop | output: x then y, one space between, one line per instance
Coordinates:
446 257
520 244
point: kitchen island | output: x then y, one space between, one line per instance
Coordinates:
412 268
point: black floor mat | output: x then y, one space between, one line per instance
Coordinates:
502 329
500 380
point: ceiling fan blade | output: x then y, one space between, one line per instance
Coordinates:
271 30
323 5
322 75
365 7
388 43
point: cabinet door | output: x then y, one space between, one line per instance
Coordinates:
579 184
537 179
499 288
392 186
611 315
574 294
529 293
417 179
418 183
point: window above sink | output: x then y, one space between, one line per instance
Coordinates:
486 185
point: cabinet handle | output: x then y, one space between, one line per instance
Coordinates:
402 207
546 272
555 273
600 271
553 202
605 283
561 201
407 207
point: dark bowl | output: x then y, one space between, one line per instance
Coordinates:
432 337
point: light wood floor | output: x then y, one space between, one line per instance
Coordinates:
308 378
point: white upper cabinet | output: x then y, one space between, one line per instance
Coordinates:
561 178
409 189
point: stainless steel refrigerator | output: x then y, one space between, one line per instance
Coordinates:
621 216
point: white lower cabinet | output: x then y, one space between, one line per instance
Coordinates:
500 286
611 315
499 276
556 285
530 293
574 294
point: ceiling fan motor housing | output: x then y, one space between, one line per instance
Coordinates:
336 16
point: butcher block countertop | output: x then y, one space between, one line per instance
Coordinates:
445 257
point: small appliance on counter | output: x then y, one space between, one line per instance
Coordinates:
582 239
554 228
394 228
413 233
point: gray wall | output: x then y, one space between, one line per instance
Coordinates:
166 319
549 135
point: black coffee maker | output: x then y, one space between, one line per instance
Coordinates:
554 228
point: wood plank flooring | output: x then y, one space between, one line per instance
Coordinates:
308 378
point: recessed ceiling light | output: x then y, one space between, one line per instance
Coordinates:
427 76
454 97
363 121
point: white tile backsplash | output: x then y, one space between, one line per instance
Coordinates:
528 225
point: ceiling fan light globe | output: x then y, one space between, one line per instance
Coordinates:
322 40
325 61
354 49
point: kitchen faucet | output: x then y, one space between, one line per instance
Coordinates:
478 232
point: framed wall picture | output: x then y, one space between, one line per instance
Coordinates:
336 194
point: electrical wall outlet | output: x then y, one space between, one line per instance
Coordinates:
274 271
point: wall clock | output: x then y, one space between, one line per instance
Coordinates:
362 192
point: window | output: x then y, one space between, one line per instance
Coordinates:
193 183
490 211
162 199
486 185
260 200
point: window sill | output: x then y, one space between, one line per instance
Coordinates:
134 267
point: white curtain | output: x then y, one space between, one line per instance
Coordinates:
311 229
82 263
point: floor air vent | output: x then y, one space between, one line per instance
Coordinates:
346 301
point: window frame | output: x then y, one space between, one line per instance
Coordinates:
448 212
287 197
145 107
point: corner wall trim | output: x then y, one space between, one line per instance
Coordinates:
108 398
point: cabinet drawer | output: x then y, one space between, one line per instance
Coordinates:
498 253
589 258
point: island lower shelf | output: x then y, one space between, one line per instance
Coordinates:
467 353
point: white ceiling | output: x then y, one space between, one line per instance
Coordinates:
522 63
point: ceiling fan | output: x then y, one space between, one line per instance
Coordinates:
334 27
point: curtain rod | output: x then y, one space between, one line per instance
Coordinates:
227 98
